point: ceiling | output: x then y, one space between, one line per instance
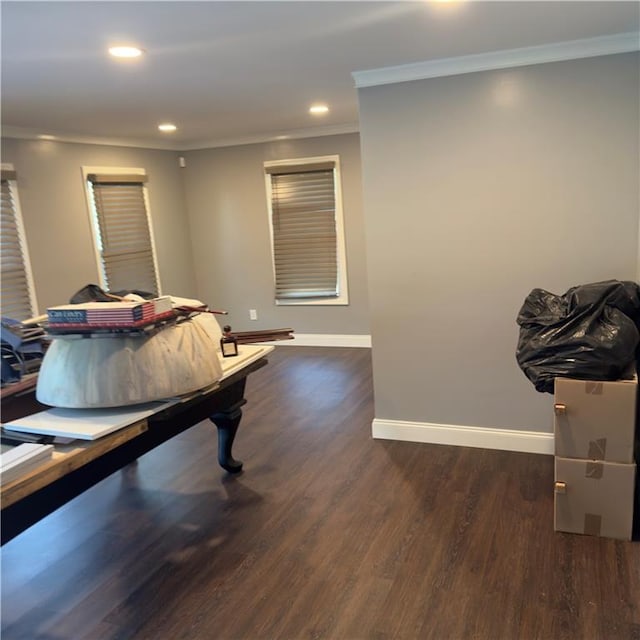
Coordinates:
234 72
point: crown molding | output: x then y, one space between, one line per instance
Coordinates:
23 133
316 132
540 54
30 134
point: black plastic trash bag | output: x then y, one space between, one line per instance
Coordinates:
94 293
90 293
590 333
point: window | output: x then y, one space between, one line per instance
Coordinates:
122 229
307 235
18 298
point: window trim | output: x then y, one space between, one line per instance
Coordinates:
13 187
341 252
93 218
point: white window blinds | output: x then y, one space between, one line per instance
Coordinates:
123 233
303 216
17 302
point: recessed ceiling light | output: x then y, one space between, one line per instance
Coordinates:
448 5
318 109
167 127
46 136
125 52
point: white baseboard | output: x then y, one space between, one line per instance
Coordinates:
324 340
461 436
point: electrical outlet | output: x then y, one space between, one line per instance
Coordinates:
253 314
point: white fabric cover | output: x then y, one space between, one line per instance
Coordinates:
84 373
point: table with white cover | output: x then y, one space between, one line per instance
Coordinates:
77 466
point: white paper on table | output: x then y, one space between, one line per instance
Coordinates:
247 354
84 424
21 459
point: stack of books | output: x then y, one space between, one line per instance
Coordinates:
23 348
92 316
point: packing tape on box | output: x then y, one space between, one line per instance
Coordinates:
594 470
593 388
592 524
560 487
560 409
597 449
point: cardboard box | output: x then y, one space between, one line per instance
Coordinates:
594 498
595 420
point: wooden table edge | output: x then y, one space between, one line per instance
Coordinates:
66 458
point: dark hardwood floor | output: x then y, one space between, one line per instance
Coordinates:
327 534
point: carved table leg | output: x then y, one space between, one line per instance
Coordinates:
227 422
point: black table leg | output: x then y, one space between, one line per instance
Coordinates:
221 404
227 422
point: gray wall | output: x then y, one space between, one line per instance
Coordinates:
478 188
224 259
228 216
57 226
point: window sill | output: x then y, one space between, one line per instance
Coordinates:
311 302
